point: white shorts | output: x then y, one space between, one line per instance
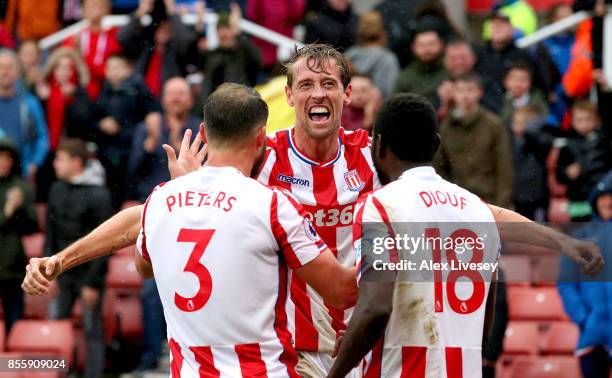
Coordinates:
318 364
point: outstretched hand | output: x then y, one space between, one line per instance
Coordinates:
190 157
586 254
39 274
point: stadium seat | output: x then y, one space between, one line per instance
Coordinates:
127 318
561 338
542 303
558 210
37 306
521 338
2 338
33 245
517 269
546 270
81 349
122 275
42 337
545 367
11 374
125 252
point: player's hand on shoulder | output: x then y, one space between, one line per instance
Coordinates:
190 157
39 274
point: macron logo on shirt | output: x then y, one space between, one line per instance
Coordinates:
293 180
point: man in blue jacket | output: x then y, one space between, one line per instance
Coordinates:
588 301
21 116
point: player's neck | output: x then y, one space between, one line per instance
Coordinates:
239 159
318 149
396 170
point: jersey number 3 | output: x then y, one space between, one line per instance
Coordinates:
201 238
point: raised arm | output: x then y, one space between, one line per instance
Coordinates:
118 232
516 228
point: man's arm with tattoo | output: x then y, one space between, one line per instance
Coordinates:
118 232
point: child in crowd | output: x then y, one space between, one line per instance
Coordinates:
530 147
519 91
121 106
584 159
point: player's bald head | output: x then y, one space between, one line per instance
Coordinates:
232 113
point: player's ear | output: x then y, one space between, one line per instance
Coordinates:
261 136
289 95
347 94
202 133
436 143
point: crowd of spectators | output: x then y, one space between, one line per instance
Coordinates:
83 125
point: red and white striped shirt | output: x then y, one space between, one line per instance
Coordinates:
436 326
220 245
328 191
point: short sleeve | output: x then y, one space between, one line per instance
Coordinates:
141 242
297 239
370 223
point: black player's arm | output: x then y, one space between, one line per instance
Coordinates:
369 319
143 266
367 325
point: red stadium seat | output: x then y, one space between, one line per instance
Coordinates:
543 303
521 338
558 210
37 306
33 245
546 270
11 374
545 367
128 318
81 349
561 338
122 275
42 337
517 269
125 252
2 338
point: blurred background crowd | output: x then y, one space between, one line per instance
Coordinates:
82 124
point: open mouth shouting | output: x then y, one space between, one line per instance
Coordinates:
319 113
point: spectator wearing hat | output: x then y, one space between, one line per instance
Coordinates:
587 299
521 15
494 58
